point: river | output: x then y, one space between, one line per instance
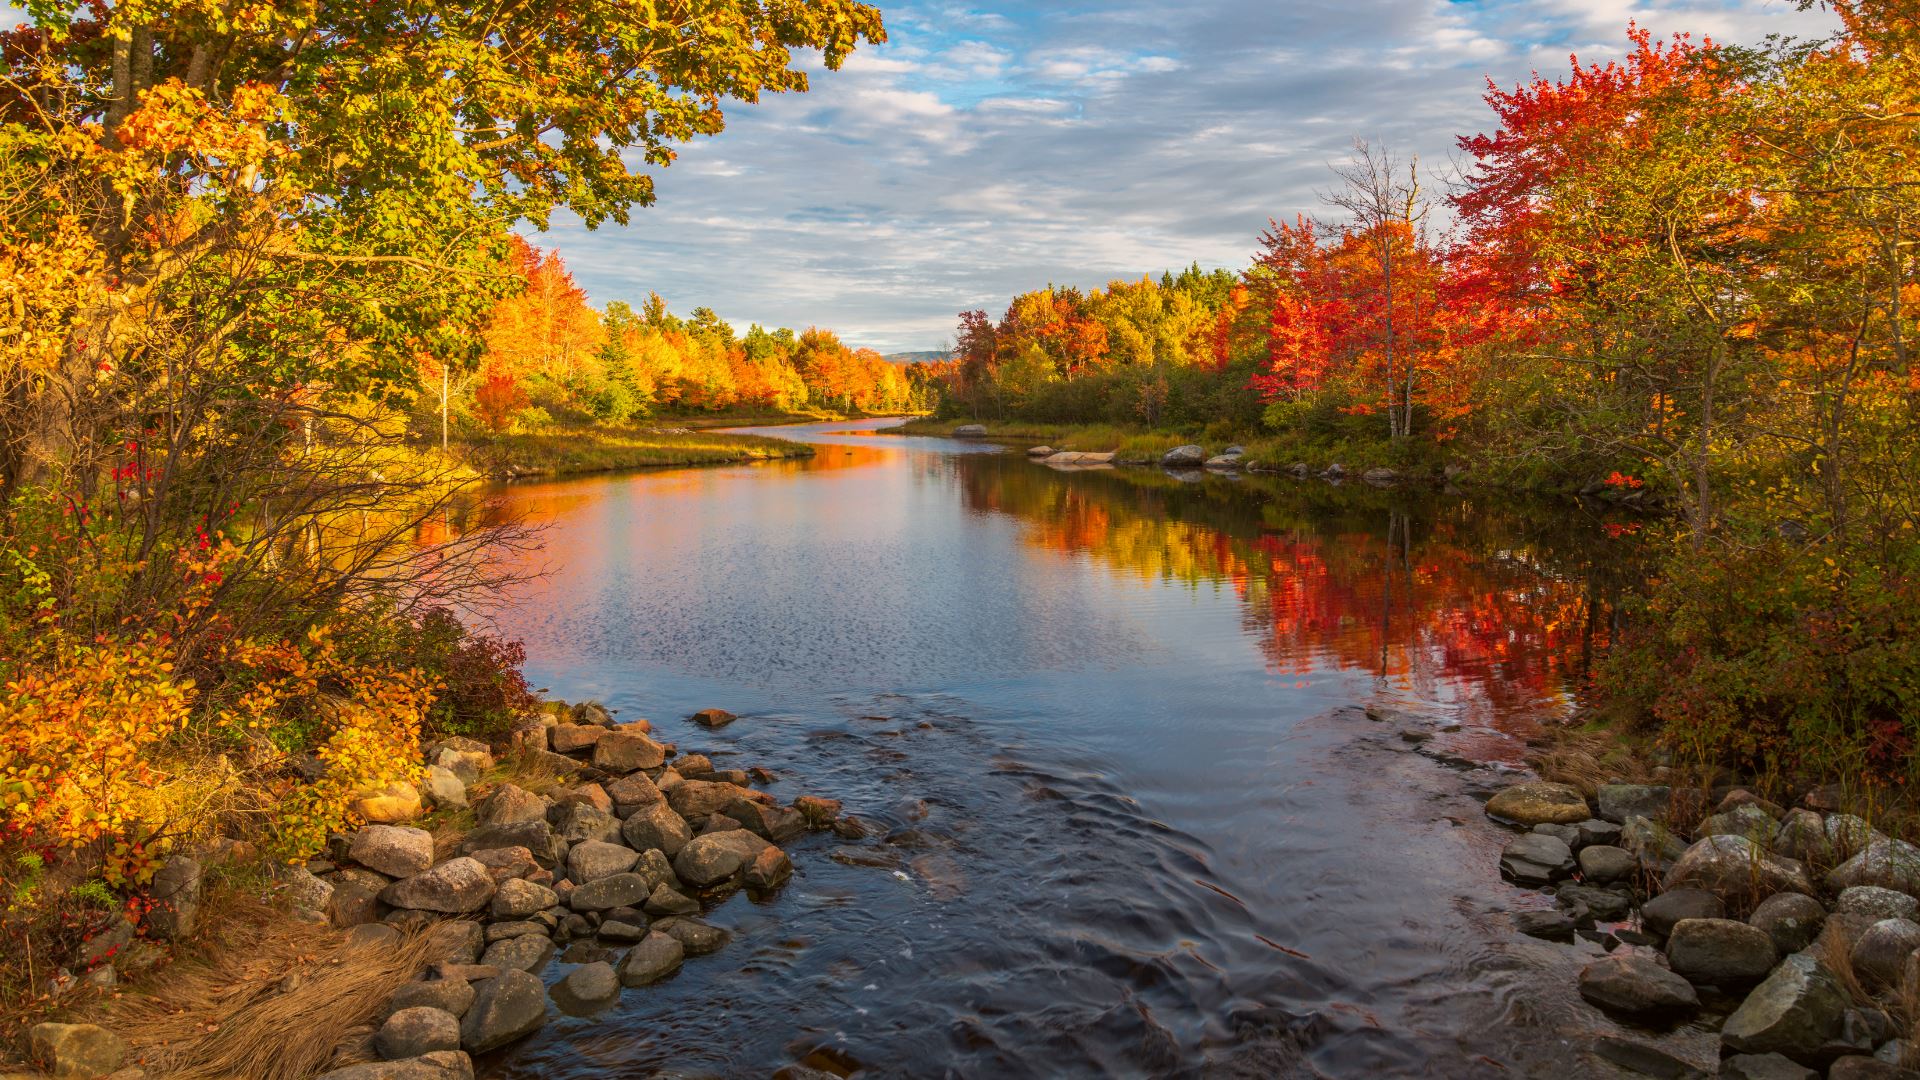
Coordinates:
1111 723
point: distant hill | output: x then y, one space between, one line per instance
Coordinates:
925 356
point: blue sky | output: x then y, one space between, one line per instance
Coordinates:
992 148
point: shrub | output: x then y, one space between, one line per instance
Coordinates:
1777 657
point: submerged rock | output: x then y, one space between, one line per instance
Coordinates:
654 958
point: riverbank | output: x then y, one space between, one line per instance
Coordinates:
594 448
420 938
1777 914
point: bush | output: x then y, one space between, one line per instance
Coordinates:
1779 658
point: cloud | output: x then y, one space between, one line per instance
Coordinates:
991 148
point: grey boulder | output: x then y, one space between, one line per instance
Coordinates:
419 1030
1793 1012
1636 987
653 959
509 1006
1720 952
455 886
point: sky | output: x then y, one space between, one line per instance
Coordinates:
992 148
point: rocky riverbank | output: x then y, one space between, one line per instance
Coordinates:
604 871
1795 932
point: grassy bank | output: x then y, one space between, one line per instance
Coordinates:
591 449
1140 443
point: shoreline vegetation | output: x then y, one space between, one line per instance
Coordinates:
580 449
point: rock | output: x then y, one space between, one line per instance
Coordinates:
505 1008
1224 461
517 899
1651 842
1380 476
1603 904
77 1050
700 798
1792 920
713 718
444 788
631 791
394 850
1539 801
587 952
500 931
665 901
1643 1060
418 1030
455 886
451 996
964 431
616 890
529 953
656 868
1602 864
575 822
1877 902
1535 859
624 752
1566 834
1895 1052
394 802
1546 925
1889 864
176 894
1849 835
1794 1012
696 937
507 863
463 757
656 826
509 804
304 890
1618 802
589 795
1039 451
622 931
571 738
1880 954
1802 835
537 837
1720 952
593 860
768 869
1663 912
653 959
1595 831
1636 987
1764 1067
1737 870
775 823
1746 820
1184 456
817 812
439 1065
716 857
587 986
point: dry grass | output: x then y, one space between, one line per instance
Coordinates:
533 772
270 1000
1835 949
1587 759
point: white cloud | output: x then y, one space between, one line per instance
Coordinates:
995 147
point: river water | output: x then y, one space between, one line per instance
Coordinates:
1111 724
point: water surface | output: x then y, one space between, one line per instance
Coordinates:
1110 723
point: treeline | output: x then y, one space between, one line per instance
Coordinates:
550 356
1690 273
